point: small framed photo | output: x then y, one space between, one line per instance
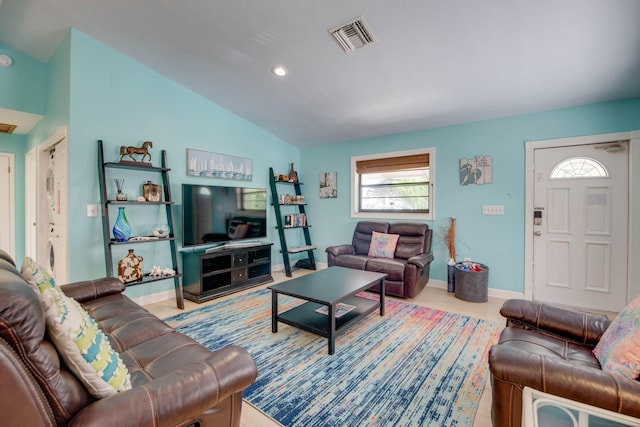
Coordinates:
328 185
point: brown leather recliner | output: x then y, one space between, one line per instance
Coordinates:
176 381
548 348
407 272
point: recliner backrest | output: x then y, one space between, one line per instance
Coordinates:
362 234
415 238
23 327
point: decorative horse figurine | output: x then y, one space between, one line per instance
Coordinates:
130 151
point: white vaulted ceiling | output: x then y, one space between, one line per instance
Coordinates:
434 63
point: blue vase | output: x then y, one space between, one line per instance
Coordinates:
121 229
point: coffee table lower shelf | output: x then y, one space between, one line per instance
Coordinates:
306 318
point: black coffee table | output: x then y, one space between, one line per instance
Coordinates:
327 288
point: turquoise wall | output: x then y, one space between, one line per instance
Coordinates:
99 93
57 105
497 241
24 84
122 102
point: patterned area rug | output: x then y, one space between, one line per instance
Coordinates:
415 366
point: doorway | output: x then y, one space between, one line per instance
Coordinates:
578 222
52 203
7 204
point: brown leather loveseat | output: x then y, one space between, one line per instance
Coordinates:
549 349
407 272
175 381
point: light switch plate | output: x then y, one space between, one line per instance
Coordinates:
493 210
92 210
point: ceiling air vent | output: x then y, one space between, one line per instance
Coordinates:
7 128
353 35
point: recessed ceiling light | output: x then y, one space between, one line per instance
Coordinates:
279 71
5 61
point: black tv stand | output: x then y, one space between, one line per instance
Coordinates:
225 269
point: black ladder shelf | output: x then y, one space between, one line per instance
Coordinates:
167 202
308 263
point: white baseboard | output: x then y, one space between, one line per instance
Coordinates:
152 298
279 268
496 293
433 283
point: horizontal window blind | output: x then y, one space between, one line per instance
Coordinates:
390 164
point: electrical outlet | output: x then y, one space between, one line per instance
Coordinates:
493 210
92 210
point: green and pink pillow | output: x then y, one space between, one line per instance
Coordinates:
618 350
383 245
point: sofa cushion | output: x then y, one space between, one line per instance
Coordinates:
23 327
77 336
414 238
619 347
382 245
393 267
84 346
531 342
362 235
358 262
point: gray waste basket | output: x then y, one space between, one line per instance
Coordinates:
472 286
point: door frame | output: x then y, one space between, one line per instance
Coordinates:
12 204
633 249
31 203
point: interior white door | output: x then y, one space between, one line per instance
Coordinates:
581 225
7 204
30 204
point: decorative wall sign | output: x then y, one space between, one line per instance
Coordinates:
476 170
328 185
214 165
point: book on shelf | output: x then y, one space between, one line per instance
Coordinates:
295 220
341 309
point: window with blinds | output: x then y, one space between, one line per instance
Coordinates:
393 185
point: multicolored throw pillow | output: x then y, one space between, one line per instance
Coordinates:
618 350
37 276
383 245
77 337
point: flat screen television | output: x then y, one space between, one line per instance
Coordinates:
213 215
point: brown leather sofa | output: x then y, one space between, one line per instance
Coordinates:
176 381
407 272
548 348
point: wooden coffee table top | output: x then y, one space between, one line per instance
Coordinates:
329 285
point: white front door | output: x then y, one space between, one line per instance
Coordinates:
7 204
581 225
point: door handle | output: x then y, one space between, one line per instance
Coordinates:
537 233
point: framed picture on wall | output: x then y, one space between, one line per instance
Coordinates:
328 185
214 165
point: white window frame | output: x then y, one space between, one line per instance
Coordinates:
355 191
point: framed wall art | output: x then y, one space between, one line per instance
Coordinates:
328 185
476 170
215 165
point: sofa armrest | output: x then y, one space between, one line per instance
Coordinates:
560 377
578 327
175 398
91 289
341 250
421 260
